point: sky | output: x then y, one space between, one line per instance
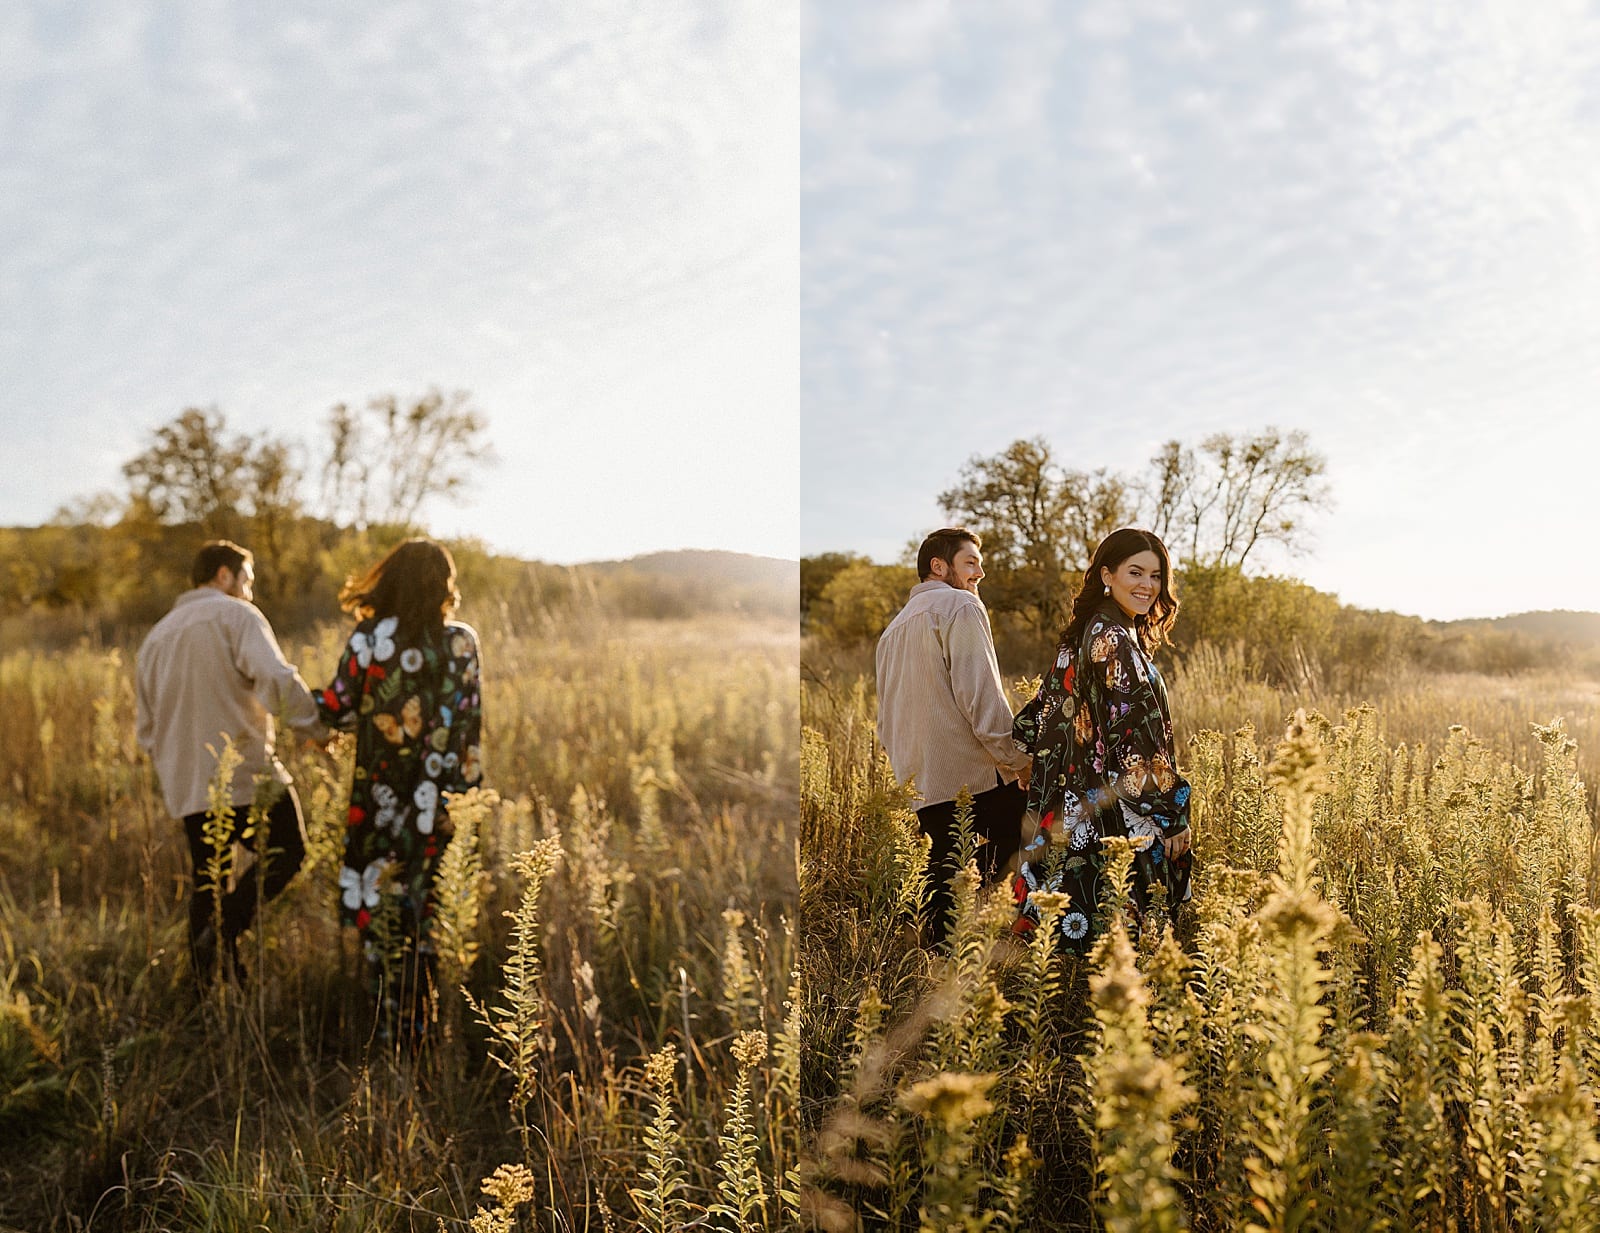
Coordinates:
585 213
1117 223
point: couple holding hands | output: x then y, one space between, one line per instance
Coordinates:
407 685
1089 757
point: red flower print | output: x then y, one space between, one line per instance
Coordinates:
358 815
363 918
376 672
1049 820
1023 925
329 698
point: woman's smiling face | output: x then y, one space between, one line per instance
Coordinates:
1135 583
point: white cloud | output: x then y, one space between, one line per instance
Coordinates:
1374 223
278 209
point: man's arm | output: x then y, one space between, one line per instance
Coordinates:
275 680
975 682
145 723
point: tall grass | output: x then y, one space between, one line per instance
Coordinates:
647 775
1378 1012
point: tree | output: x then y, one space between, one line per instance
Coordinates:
192 472
346 476
1216 505
196 474
390 459
1040 524
860 600
816 572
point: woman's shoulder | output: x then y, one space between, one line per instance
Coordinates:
368 627
1103 637
460 629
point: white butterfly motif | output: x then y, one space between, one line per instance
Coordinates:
361 889
1139 826
427 799
378 645
388 816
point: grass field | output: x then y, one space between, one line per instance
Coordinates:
1378 1012
643 1070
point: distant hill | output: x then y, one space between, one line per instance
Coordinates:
713 563
670 584
1564 627
63 582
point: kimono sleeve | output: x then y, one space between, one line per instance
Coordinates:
1139 764
1045 728
466 705
339 704
1025 726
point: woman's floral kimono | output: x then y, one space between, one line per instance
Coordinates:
1103 765
416 711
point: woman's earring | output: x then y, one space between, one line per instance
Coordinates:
1106 590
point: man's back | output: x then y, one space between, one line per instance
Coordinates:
942 712
211 668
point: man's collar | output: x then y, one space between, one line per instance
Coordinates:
199 594
934 584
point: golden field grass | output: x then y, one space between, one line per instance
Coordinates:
643 1070
1381 1010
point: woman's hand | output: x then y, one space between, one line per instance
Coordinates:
1177 845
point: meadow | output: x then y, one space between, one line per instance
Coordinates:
1381 1010
616 1044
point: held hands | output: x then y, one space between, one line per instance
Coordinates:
1177 845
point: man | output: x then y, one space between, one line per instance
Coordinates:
211 668
943 715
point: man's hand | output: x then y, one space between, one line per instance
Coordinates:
1177 845
1025 777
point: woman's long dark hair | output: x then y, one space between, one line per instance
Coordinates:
415 583
1114 549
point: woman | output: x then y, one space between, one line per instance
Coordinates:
408 686
1101 738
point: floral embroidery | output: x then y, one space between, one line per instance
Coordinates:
376 643
1115 752
417 729
427 799
361 889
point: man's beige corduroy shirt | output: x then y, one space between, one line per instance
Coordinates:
942 711
212 667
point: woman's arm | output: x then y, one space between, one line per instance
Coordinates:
339 704
1045 728
466 704
1138 761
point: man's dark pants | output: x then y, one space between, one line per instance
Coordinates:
997 818
285 850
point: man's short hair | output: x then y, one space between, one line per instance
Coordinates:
217 554
943 545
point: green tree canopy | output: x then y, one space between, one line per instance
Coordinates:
1040 523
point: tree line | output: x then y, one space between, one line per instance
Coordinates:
108 565
1216 505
